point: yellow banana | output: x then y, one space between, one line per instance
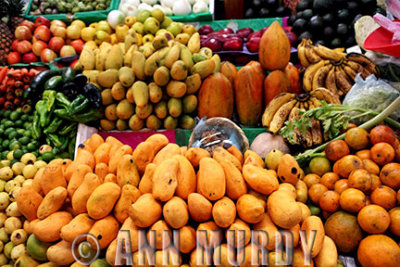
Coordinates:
314 102
350 72
368 66
343 82
273 107
355 66
281 116
320 77
327 53
326 95
311 55
301 53
330 81
310 72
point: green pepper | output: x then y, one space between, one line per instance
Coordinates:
41 108
62 113
65 142
50 96
92 114
55 140
36 131
67 128
53 125
79 104
71 146
63 100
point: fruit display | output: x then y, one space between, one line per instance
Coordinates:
44 41
14 174
265 9
329 23
62 100
332 69
150 81
356 184
112 188
40 7
169 7
14 82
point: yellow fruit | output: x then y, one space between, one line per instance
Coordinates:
88 34
124 109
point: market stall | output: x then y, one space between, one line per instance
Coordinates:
146 133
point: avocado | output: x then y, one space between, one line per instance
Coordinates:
353 7
321 42
304 4
357 17
328 32
308 13
272 4
249 13
321 6
342 29
282 11
292 19
264 12
336 42
328 18
343 15
299 14
350 41
256 4
316 23
299 26
305 35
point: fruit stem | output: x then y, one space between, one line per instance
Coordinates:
383 116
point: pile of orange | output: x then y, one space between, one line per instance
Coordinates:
360 194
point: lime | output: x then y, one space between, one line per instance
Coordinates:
8 124
24 140
35 153
21 132
4 154
6 143
7 113
48 156
320 165
19 123
18 153
12 135
13 161
31 146
14 145
25 117
9 130
14 115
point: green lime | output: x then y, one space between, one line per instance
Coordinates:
31 146
25 117
6 143
21 132
39 158
1 131
19 123
12 135
9 130
7 113
14 115
18 153
320 165
314 210
35 153
14 145
48 156
8 124
24 140
13 161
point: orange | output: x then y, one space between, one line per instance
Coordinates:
382 153
357 138
378 251
360 179
329 179
316 191
329 201
384 196
352 200
341 185
373 219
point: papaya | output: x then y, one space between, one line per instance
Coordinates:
186 177
165 179
249 93
127 172
129 194
229 71
81 224
82 194
216 97
102 200
143 154
52 202
195 154
48 230
52 177
105 230
28 202
274 51
274 84
289 170
146 183
116 157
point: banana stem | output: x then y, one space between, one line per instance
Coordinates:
383 116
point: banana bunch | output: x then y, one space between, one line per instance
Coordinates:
337 76
309 53
287 106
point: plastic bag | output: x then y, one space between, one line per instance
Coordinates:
373 94
211 133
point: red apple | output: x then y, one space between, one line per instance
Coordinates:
29 58
14 45
56 43
28 24
253 44
47 55
73 63
42 33
67 50
59 32
42 21
245 32
14 58
226 31
77 45
24 46
57 23
212 43
205 29
23 33
234 43
38 46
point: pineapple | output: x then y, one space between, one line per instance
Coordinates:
6 36
16 12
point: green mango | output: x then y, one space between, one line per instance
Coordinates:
100 263
26 261
36 248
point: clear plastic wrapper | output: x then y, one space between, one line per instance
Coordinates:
371 93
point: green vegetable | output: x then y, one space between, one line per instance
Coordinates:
50 96
63 100
53 83
79 104
68 75
379 117
67 129
36 130
53 125
41 108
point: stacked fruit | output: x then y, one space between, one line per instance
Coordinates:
45 40
265 9
151 85
14 240
14 82
332 69
358 194
54 7
329 23
109 187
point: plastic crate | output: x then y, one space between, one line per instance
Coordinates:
88 17
255 24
